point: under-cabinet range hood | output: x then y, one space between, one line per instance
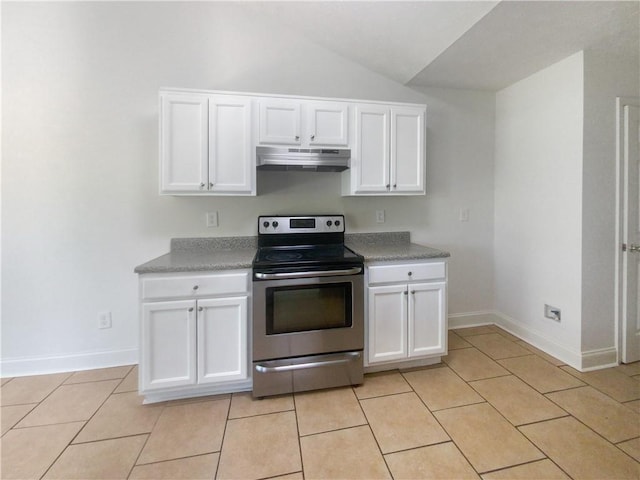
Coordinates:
303 159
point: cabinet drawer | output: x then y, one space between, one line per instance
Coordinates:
195 285
407 272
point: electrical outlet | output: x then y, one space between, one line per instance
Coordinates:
379 216
212 219
554 313
104 320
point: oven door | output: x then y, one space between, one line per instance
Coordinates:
315 314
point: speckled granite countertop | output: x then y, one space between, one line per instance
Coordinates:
228 253
200 254
379 247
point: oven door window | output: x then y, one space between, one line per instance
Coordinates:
308 307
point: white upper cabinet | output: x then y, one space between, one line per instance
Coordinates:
370 167
388 157
231 165
407 150
279 122
208 140
327 123
303 123
206 145
184 143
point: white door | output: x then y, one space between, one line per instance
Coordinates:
279 122
168 344
231 165
184 143
371 164
387 323
327 124
427 319
407 150
631 236
222 339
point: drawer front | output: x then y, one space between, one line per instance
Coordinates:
409 272
191 286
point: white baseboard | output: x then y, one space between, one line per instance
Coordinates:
598 359
582 361
472 319
20 367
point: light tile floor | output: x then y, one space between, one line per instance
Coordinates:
496 408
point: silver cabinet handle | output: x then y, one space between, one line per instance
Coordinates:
323 361
321 273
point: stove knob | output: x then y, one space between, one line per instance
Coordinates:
275 224
329 223
337 223
265 224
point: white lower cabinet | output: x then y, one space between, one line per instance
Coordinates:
193 346
407 312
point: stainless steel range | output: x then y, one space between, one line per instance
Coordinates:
308 306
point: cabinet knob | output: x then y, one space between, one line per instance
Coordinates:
388 186
297 137
395 185
410 273
413 292
406 292
200 309
202 185
195 287
313 137
210 184
191 309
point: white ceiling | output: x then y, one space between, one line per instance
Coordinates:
485 45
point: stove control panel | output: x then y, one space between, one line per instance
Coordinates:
301 224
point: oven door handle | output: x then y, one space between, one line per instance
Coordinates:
325 360
319 273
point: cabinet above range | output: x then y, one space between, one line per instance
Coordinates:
209 141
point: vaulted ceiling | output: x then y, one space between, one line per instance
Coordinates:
484 45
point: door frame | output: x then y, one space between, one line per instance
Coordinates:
621 102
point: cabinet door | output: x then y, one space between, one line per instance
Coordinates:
427 319
327 124
279 122
387 323
184 143
168 345
407 150
371 165
231 164
222 339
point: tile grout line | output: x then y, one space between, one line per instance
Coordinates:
295 413
224 434
442 426
80 430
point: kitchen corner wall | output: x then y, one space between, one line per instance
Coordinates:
555 203
80 203
538 204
